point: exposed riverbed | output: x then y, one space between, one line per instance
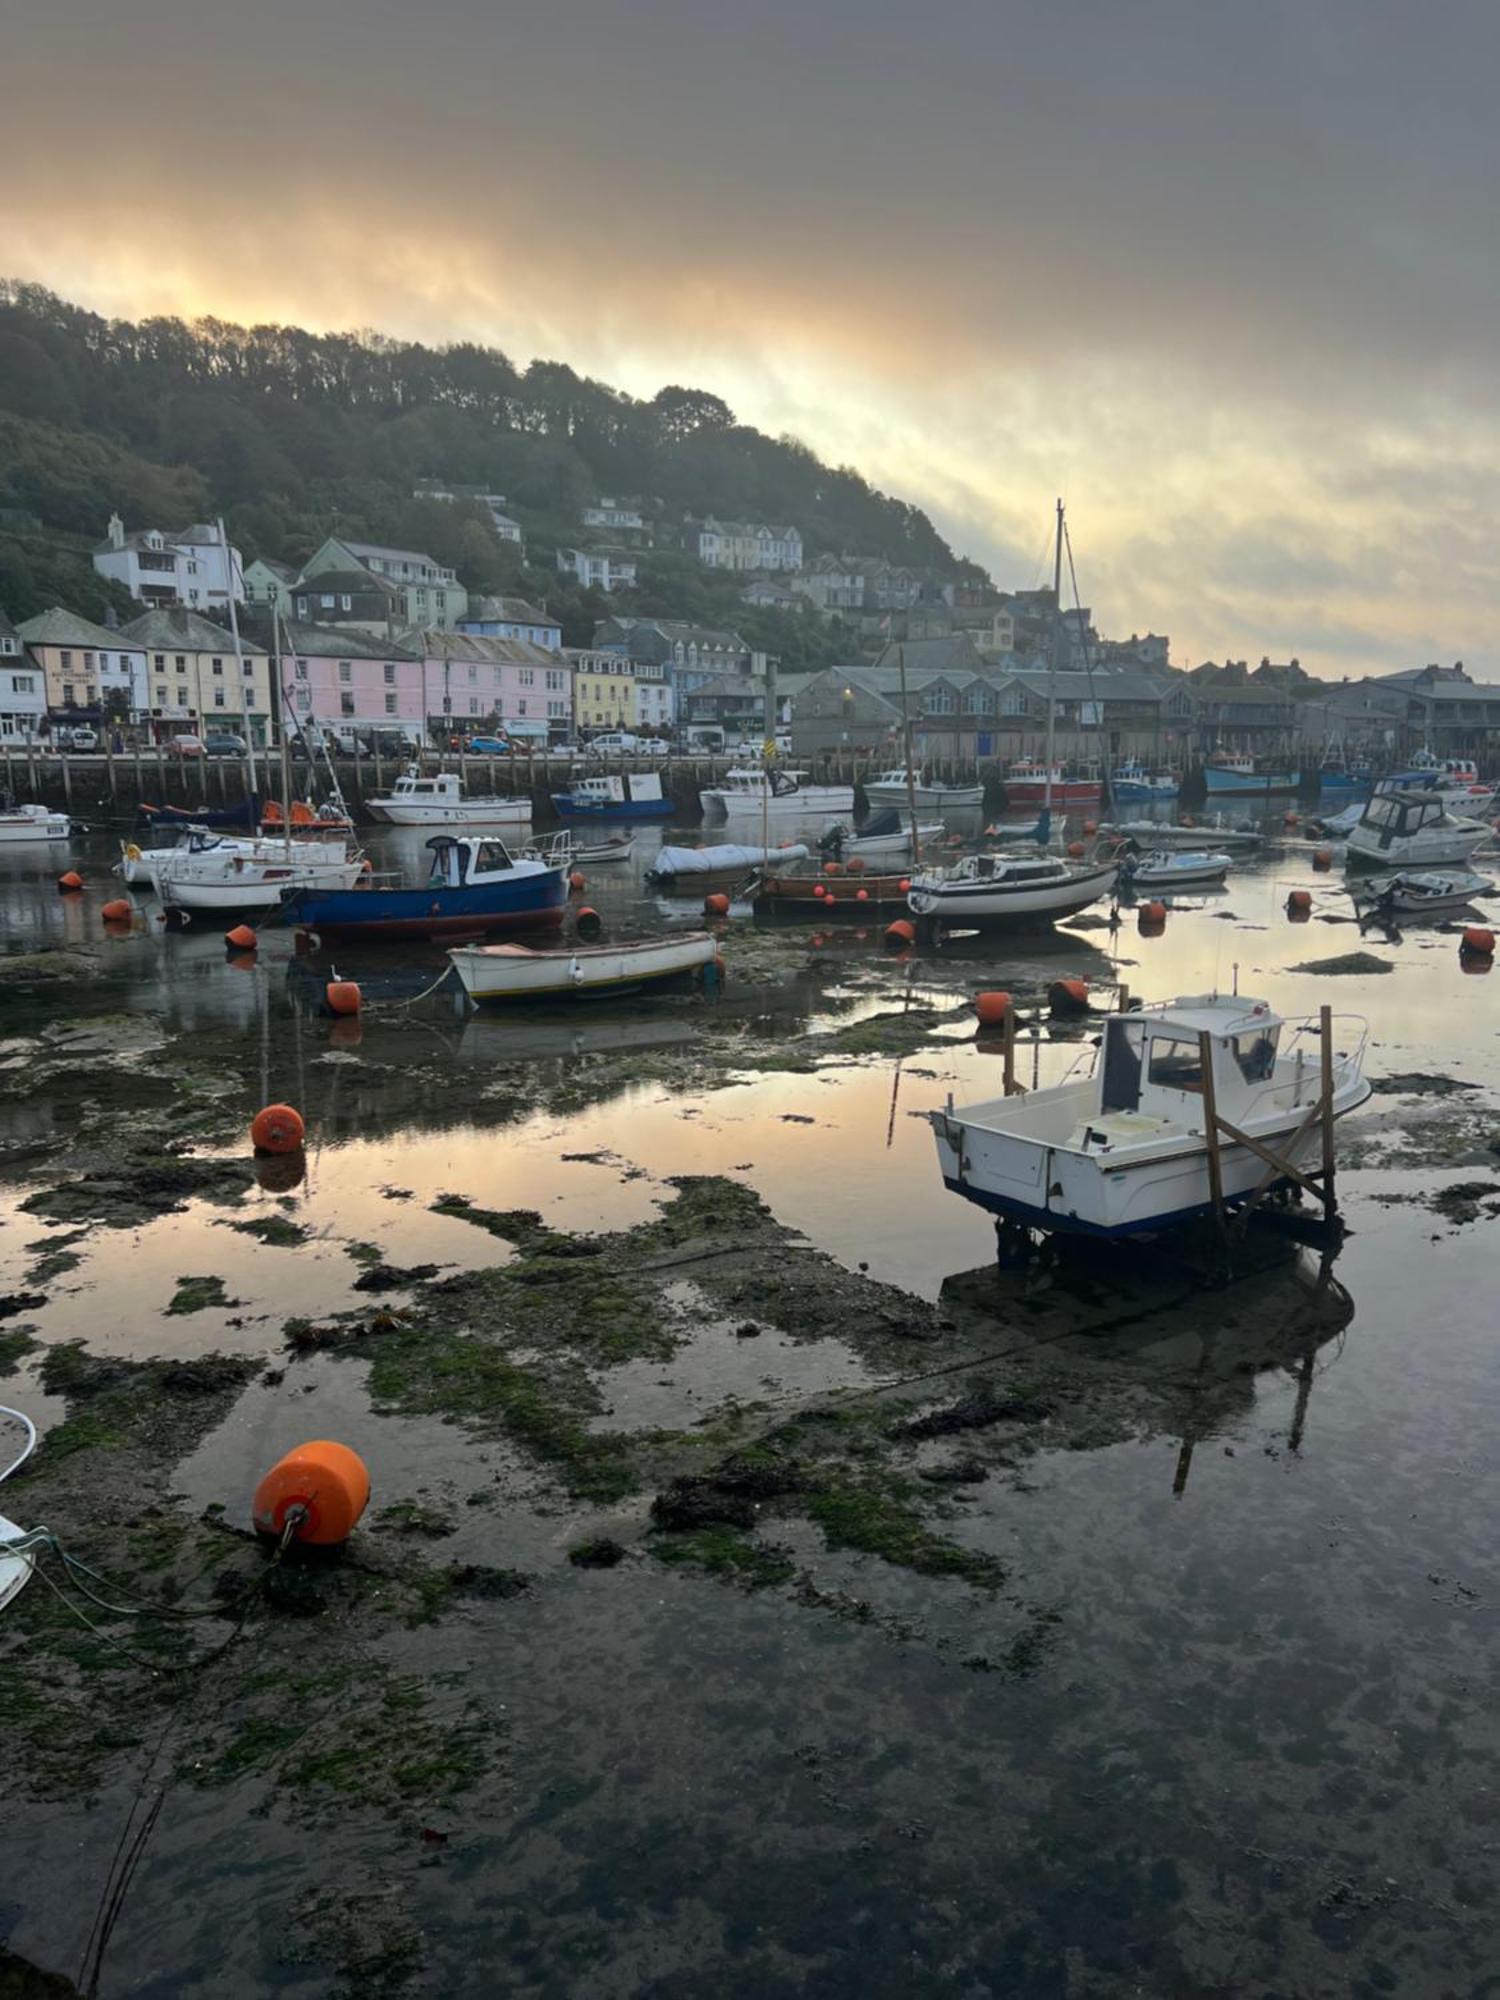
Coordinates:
761 1593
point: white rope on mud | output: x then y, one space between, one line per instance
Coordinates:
30 1445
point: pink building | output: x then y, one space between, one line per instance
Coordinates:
341 677
473 683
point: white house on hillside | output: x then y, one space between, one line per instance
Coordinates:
172 566
748 545
599 569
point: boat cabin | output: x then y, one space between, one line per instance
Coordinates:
442 789
458 863
1398 815
1152 1062
1008 869
632 787
753 782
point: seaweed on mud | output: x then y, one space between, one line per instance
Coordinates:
138 1190
393 1277
198 1294
1346 964
278 1231
976 1411
13 1304
13 1346
721 1550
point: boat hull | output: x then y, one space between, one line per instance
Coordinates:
33 829
929 798
1450 847
1063 792
1129 791
535 902
805 803
472 815
591 972
568 807
985 905
1249 784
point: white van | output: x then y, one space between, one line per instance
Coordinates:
613 743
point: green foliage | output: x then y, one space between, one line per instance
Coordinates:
292 435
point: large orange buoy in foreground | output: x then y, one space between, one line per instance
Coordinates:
1322 858
342 996
1068 996
900 933
716 904
241 938
278 1129
70 882
120 911
326 1483
1299 899
1477 943
588 923
1153 913
990 1008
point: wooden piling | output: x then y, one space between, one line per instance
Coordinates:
1008 1051
1211 1128
1325 1108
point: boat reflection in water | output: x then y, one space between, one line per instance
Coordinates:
1162 1321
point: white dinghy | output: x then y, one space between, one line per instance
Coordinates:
512 972
1173 870
1125 1152
985 890
28 824
1419 893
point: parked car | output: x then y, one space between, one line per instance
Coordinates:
186 746
226 744
652 746
79 737
613 743
488 746
394 742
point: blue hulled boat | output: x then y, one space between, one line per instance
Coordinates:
633 795
475 889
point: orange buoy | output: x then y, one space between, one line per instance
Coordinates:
990 1008
900 932
716 905
1091 826
833 867
1478 943
829 899
904 885
861 895
1475 962
1299 899
1323 857
278 1129
120 911
241 938
1077 849
576 882
588 923
367 867
819 892
1068 996
70 882
342 996
1153 913
318 1492
856 866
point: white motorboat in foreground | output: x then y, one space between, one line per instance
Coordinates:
778 794
512 972
1174 869
1403 830
1124 1151
438 802
928 794
1419 894
24 824
136 864
989 889
208 874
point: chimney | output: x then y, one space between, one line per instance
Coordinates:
116 532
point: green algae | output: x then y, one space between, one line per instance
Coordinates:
727 1552
198 1295
278 1231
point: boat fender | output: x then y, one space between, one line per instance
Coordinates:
1153 913
278 1129
1298 900
716 905
316 1494
576 882
1322 858
342 996
1068 996
132 852
900 934
833 867
990 1009
861 895
1077 849
904 885
856 866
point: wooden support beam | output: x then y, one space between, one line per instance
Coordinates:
1264 1152
1277 1170
1211 1127
1008 1047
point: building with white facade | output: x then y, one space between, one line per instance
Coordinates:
89 673
599 569
607 513
269 585
508 529
748 545
654 702
430 593
512 618
23 690
172 566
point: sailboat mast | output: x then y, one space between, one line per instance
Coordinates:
239 669
911 775
286 753
1057 627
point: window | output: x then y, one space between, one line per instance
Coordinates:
23 683
521 706
1013 701
390 704
88 663
218 666
346 603
68 701
473 676
249 670
181 694
390 673
346 670
218 697
938 702
301 673
67 663
346 704
161 694
473 705
325 601
159 661
1175 1064
526 677
1255 1052
179 660
304 697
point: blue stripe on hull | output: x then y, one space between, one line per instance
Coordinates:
1250 784
534 903
1072 1225
568 808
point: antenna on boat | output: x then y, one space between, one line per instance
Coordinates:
1235 989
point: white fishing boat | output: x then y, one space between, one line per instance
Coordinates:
1402 830
438 801
1420 894
1124 1151
883 833
1131 780
136 863
619 849
927 794
778 794
207 874
699 867
17 1545
985 890
1173 869
512 972
21 825
1155 834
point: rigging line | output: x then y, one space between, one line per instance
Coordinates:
1088 666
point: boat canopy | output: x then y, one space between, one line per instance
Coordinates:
456 861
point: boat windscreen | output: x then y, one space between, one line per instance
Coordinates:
1122 1064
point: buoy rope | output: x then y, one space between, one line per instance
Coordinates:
30 1445
442 979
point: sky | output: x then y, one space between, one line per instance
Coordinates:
1221 273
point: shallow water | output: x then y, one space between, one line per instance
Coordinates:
1256 1751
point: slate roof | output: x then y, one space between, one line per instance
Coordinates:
507 610
186 630
341 642
65 628
434 644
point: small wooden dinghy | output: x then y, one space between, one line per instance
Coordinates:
817 896
1170 869
513 972
619 849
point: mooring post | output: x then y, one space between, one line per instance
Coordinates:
1008 1051
1325 1109
1211 1127
67 778
1124 999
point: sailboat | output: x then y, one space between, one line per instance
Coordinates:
984 890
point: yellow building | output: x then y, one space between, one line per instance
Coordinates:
603 691
194 684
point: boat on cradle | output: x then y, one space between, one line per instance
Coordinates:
438 801
513 972
475 887
1419 893
704 867
630 795
927 794
1236 774
620 848
1125 1151
1173 869
1412 830
136 863
985 890
775 794
26 825
1152 834
883 833
209 873
1028 783
1131 782
848 896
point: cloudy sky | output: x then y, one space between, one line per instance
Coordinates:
1222 272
